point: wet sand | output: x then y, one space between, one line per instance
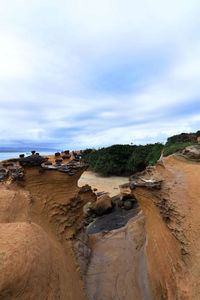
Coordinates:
106 184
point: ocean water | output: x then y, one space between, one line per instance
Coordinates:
7 155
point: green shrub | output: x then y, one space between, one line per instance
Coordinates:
128 159
173 148
123 159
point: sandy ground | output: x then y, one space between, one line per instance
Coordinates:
106 184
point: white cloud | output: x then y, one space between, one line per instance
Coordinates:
51 51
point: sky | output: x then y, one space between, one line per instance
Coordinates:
77 74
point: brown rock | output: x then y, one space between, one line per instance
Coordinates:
125 190
192 152
102 205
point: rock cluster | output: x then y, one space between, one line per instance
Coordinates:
32 161
70 168
16 173
11 170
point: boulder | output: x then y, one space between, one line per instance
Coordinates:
125 191
192 152
102 205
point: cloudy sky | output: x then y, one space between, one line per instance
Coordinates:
82 73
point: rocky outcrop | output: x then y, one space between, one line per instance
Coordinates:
192 152
151 254
40 215
168 197
70 168
102 205
3 174
32 161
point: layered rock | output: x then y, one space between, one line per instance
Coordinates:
39 216
192 152
168 198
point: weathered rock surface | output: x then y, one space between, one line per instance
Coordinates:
32 161
117 269
172 226
192 152
156 255
39 217
102 205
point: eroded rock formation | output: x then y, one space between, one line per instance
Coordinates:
153 255
169 198
39 216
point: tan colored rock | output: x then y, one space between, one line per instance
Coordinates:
39 216
102 205
124 190
192 152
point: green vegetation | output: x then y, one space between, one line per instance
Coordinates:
122 159
126 159
173 148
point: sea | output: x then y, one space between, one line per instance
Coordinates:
11 154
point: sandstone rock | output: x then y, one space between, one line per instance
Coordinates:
16 173
32 161
147 182
192 152
124 190
85 188
102 205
